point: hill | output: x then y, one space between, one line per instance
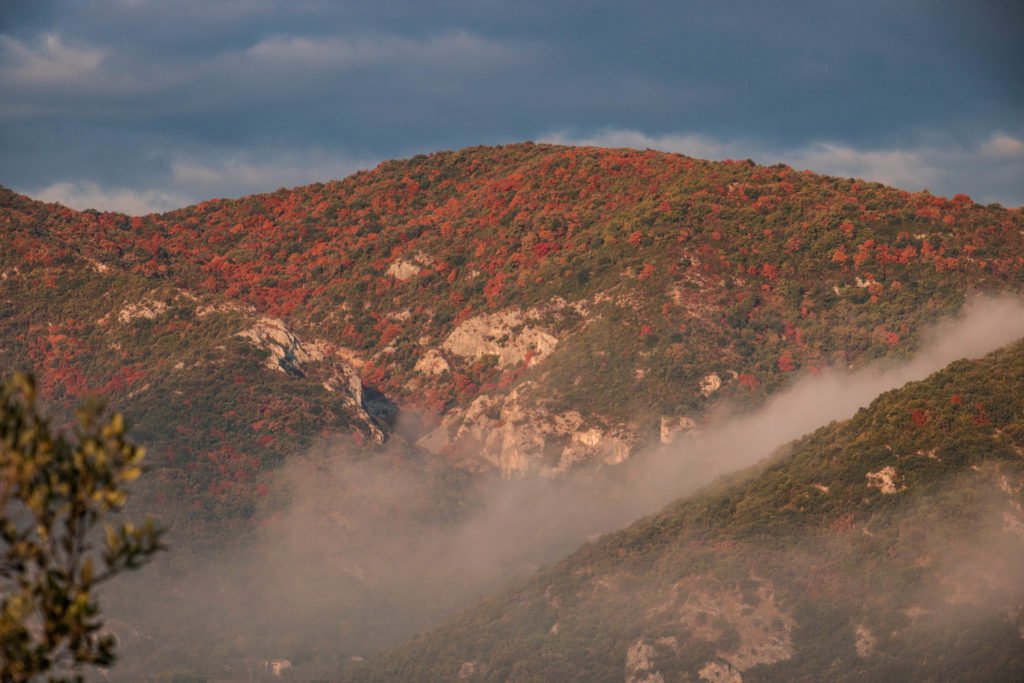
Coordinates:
472 320
512 301
884 547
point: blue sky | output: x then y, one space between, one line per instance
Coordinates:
143 105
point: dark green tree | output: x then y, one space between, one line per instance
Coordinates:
55 494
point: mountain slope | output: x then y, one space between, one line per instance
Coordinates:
464 318
885 547
494 288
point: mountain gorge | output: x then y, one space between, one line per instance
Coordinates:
483 319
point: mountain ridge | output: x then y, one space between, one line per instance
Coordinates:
657 270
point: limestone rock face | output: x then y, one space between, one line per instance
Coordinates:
886 480
287 351
672 427
149 310
720 672
519 439
710 384
432 363
504 334
639 662
404 269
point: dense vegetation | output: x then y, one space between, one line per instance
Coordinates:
811 554
675 268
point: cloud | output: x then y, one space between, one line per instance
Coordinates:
457 50
194 179
1003 147
89 195
241 175
49 62
989 170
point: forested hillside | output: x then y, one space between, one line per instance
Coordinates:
885 547
468 320
480 290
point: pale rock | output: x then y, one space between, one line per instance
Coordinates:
639 664
403 269
469 669
432 363
347 380
501 334
915 612
350 356
886 480
720 672
614 451
144 309
287 352
671 427
96 265
515 439
710 384
865 642
590 437
475 422
764 629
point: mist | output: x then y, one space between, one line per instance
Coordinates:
368 550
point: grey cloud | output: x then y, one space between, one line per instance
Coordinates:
49 62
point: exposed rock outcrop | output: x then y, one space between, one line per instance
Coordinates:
148 309
432 363
518 439
755 627
887 480
710 384
639 662
287 351
403 269
505 335
720 672
672 427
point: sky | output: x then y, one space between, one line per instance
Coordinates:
148 105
